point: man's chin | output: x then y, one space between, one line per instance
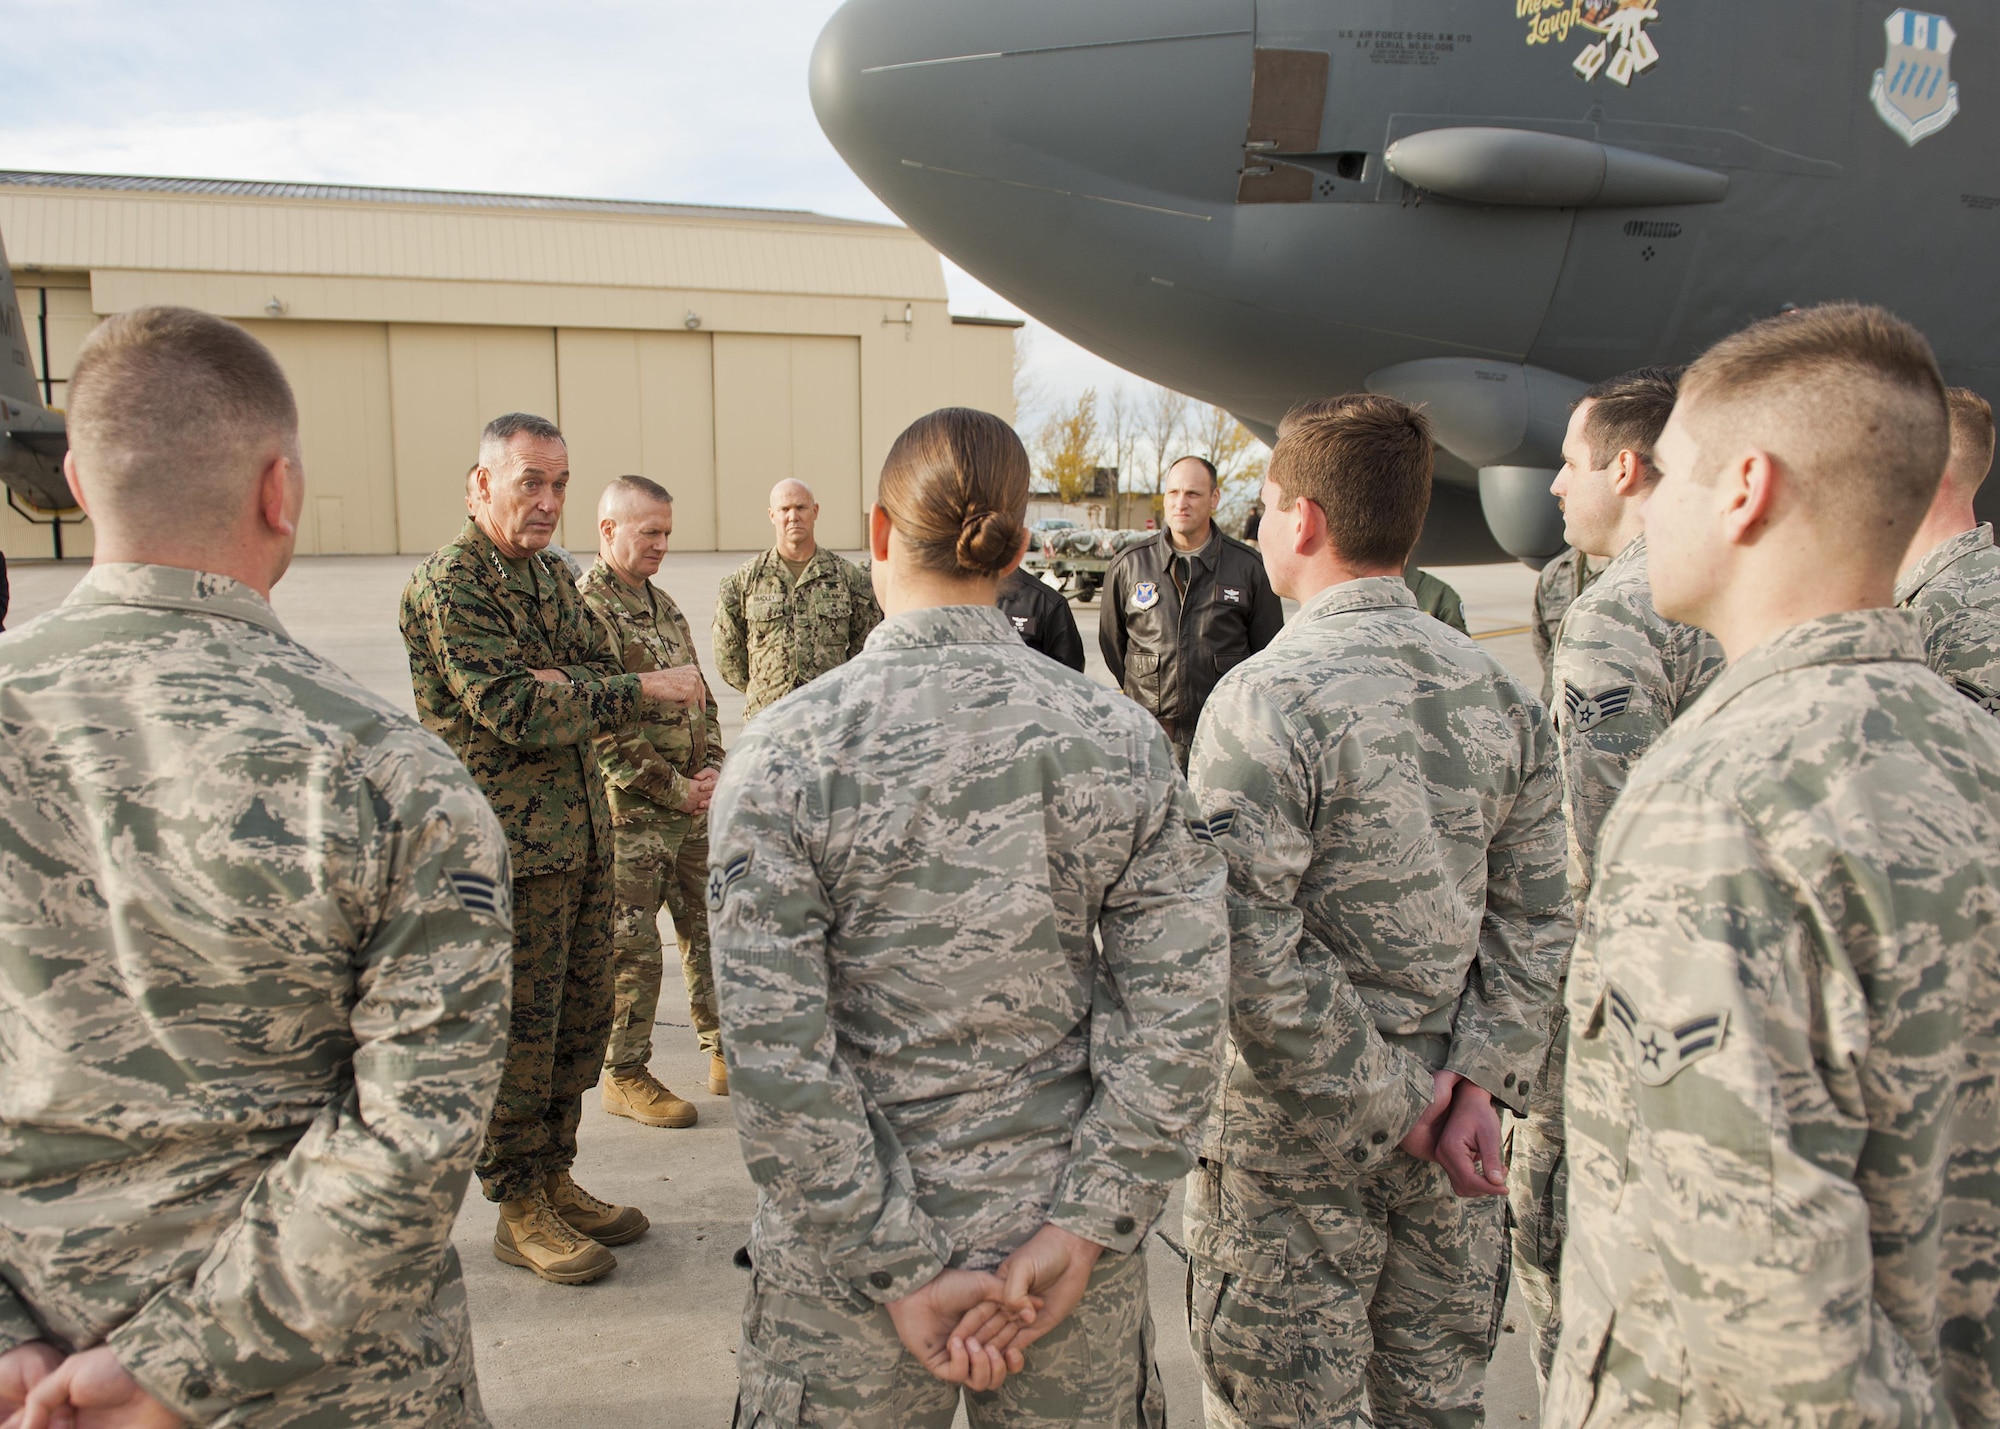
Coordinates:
534 539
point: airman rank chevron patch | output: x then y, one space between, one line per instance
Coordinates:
1985 699
723 877
1659 1052
476 893
1587 711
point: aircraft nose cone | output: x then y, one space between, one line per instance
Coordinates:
1047 96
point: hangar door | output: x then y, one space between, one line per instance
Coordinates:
639 402
786 407
340 375
446 383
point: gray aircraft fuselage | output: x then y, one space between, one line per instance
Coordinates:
1481 204
32 438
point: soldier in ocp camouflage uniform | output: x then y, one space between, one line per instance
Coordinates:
514 673
253 952
794 612
1951 582
1387 798
1794 918
1436 599
1622 674
971 956
658 777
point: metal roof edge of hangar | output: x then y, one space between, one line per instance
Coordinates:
424 198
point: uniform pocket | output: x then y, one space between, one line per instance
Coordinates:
1247 1344
768 1395
764 607
1579 1360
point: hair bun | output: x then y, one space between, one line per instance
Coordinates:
986 542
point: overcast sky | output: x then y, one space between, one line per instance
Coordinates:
644 99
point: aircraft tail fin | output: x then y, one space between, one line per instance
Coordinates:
17 367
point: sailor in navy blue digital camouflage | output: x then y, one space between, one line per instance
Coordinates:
1387 798
511 669
1622 674
1791 955
253 952
971 951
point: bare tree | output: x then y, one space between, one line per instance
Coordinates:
1118 426
1164 420
1028 393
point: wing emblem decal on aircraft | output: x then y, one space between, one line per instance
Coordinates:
1914 91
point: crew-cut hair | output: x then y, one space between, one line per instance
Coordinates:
1366 461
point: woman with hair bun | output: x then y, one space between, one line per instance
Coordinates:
971 950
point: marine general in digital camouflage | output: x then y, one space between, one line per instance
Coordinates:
253 948
971 951
654 780
1386 795
790 615
1794 927
512 670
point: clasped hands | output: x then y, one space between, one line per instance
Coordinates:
682 685
1460 1130
40 1389
973 1327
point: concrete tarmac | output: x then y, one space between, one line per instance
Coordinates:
655 1341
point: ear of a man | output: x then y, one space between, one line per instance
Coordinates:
1748 490
274 485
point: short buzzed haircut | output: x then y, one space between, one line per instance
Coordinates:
1627 414
1846 397
1366 461
171 414
1971 438
503 429
639 486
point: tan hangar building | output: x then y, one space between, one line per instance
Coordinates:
715 350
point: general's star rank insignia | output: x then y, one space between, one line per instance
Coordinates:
1145 595
1587 712
723 877
1985 699
1659 1052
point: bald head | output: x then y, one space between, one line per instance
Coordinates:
794 514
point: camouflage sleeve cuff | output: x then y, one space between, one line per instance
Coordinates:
890 1274
17 1326
1358 1132
157 1348
1504 1076
1118 1222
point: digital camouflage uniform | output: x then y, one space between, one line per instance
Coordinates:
971 951
1955 591
662 853
253 991
1436 599
773 633
1622 674
1796 897
1387 797
476 626
1562 580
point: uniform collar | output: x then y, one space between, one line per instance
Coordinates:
1206 556
813 562
602 578
1367 593
1853 637
944 625
474 538
1945 554
175 588
1632 555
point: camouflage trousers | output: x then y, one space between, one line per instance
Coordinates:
1538 1193
831 1365
660 862
1304 1292
555 1042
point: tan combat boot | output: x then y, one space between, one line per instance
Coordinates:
718 1075
640 1096
532 1235
600 1220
